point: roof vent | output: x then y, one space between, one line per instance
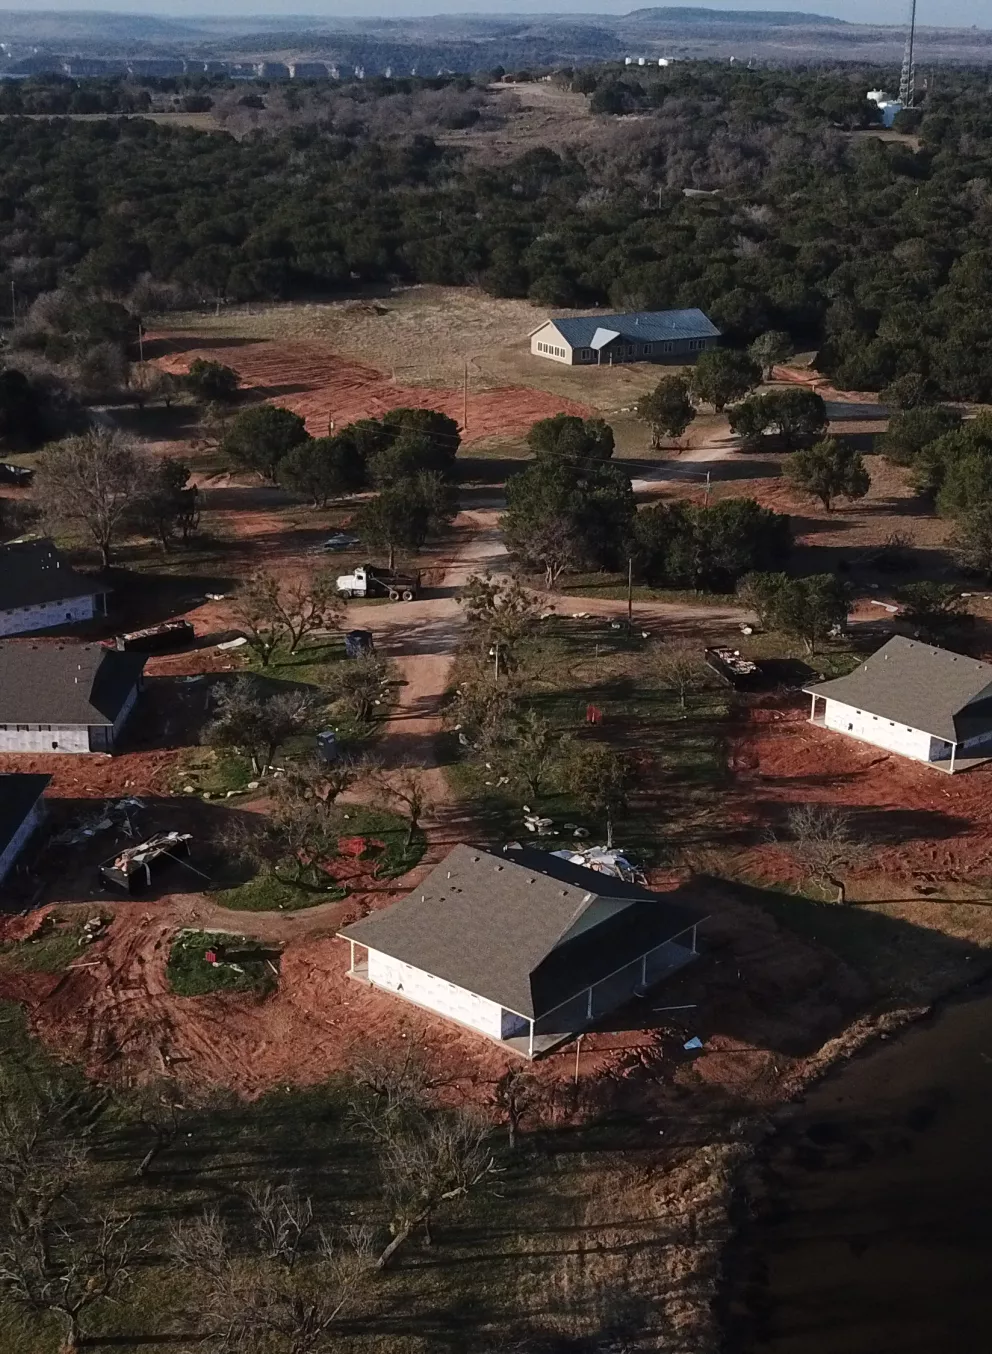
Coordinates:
564 893
498 868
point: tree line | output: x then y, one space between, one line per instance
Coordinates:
873 253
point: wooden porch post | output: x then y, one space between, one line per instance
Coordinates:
694 940
644 970
589 1006
530 1041
352 966
812 709
954 748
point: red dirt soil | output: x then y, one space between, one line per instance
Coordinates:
755 992
315 382
922 823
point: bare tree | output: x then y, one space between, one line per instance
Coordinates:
555 545
359 685
409 791
49 1267
482 709
160 1108
500 612
282 1219
90 484
272 613
444 1156
306 607
257 722
533 752
823 842
312 778
43 1132
392 1090
258 614
515 1096
680 667
600 778
269 1302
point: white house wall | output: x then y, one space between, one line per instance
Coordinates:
76 738
884 733
17 843
435 993
548 343
70 611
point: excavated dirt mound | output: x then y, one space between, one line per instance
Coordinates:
760 999
315 382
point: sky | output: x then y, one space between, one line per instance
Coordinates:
945 13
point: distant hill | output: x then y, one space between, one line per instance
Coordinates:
735 18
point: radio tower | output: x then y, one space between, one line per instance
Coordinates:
907 81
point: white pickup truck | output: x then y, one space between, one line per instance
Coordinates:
366 581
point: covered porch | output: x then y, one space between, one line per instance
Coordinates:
533 1037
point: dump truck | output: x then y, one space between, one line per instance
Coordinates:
367 581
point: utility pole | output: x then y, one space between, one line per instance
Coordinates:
465 398
630 593
141 342
706 498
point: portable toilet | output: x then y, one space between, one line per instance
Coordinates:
327 745
357 643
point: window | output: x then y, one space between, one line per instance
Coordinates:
668 347
587 354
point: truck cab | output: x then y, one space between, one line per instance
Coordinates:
365 581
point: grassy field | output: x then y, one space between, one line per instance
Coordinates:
53 947
191 976
572 664
581 1236
387 856
427 335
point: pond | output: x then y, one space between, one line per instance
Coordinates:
873 1231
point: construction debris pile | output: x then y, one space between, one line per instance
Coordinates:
132 868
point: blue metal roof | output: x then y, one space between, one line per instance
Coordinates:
640 326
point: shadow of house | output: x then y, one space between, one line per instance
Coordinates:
779 973
62 862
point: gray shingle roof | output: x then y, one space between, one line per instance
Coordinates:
18 796
34 572
640 326
916 685
494 927
64 683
